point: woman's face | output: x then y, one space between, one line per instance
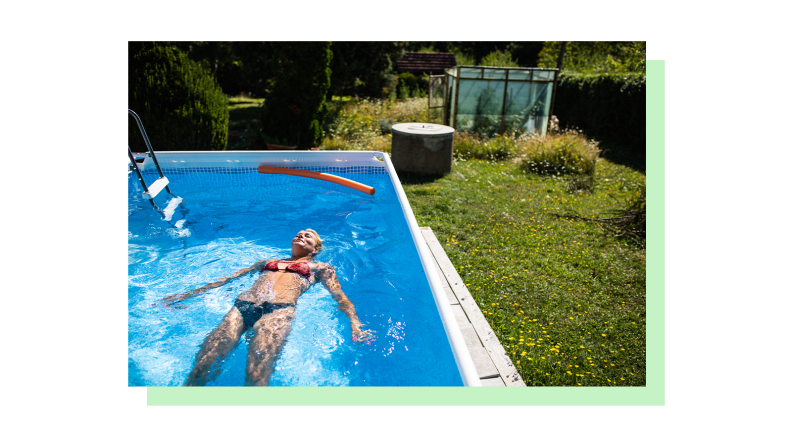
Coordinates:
305 240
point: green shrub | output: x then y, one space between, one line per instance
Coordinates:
180 104
569 153
475 146
608 107
354 122
412 86
293 112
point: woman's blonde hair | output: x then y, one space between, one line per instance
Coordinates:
318 240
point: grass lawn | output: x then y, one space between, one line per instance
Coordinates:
566 298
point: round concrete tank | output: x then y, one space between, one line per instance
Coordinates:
422 148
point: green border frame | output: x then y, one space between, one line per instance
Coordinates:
653 394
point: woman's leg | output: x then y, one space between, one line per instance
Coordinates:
215 347
270 334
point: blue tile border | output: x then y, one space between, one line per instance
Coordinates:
366 170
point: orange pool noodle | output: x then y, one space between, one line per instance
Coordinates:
318 176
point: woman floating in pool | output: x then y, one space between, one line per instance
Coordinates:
268 309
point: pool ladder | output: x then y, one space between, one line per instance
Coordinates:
149 192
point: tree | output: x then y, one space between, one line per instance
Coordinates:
294 109
596 57
364 68
498 58
239 67
524 53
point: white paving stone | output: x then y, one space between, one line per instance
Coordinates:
493 382
468 306
481 359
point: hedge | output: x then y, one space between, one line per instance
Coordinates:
179 102
609 108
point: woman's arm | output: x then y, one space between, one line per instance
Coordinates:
327 275
173 298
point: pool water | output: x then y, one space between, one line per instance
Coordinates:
229 219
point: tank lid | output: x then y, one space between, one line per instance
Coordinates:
417 128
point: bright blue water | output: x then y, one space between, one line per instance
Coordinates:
231 220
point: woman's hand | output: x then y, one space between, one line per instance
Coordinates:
359 335
178 297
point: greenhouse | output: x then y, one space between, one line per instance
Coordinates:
497 100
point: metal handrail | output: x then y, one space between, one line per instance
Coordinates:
148 145
151 154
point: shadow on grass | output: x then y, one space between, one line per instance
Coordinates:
245 118
628 156
415 178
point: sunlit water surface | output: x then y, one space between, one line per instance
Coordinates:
228 221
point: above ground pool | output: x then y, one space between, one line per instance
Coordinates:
231 216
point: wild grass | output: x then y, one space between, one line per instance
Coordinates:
474 146
565 153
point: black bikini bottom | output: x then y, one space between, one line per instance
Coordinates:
251 312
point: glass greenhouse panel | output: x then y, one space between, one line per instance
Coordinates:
543 75
490 73
480 105
470 73
528 107
437 90
519 75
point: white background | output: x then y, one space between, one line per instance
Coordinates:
64 219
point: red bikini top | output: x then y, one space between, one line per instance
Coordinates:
301 268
